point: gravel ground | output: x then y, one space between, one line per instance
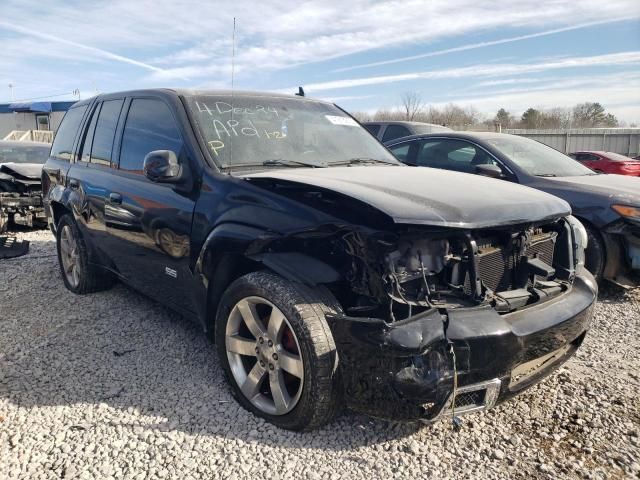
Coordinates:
114 385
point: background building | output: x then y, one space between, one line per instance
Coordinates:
31 116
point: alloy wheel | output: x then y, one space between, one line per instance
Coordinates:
264 355
70 256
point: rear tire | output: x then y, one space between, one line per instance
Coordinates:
78 274
250 310
595 254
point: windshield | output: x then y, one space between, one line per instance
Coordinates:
282 131
538 159
24 153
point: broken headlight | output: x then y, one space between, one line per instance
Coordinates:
580 240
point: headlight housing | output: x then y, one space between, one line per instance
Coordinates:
580 240
627 211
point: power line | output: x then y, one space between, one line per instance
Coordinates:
44 96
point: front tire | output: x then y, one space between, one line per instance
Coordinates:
78 274
278 352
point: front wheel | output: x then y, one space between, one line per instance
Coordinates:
278 352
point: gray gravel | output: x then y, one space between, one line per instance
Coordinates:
114 385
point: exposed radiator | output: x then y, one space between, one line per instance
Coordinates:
497 265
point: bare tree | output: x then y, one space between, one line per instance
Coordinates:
412 104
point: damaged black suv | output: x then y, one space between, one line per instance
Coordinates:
328 274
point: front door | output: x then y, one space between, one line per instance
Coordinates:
149 224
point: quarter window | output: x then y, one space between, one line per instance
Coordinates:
150 126
374 129
395 131
62 147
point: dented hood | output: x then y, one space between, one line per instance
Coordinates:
30 171
429 196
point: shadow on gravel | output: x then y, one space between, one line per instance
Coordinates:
119 358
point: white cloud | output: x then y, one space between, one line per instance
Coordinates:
474 46
476 71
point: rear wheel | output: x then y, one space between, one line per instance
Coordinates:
278 352
78 274
595 255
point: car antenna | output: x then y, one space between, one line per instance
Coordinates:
233 68
300 92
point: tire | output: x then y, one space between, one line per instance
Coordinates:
595 254
314 393
78 274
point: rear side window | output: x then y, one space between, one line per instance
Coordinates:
395 131
62 147
150 126
105 132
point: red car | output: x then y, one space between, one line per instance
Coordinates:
608 162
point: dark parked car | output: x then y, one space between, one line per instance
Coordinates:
387 131
20 189
608 162
607 205
328 273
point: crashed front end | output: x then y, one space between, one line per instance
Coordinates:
20 197
446 320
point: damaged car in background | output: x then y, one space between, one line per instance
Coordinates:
327 273
20 187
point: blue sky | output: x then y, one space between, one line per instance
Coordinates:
362 54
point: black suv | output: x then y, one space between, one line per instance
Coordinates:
328 273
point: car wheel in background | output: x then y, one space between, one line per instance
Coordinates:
277 350
78 274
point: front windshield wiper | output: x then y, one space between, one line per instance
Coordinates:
355 160
291 163
546 175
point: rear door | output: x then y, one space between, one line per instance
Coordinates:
149 224
91 176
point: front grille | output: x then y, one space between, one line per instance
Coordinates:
497 265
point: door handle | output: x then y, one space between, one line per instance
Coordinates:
115 198
74 183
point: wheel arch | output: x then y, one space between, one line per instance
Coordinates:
233 250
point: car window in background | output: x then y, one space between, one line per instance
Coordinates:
256 130
62 147
401 152
150 126
105 132
456 155
23 154
395 131
374 129
538 159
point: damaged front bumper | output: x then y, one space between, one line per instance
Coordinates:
463 359
622 243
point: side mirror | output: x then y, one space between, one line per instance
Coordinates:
162 166
489 170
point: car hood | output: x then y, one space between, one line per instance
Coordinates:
24 170
618 188
430 196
